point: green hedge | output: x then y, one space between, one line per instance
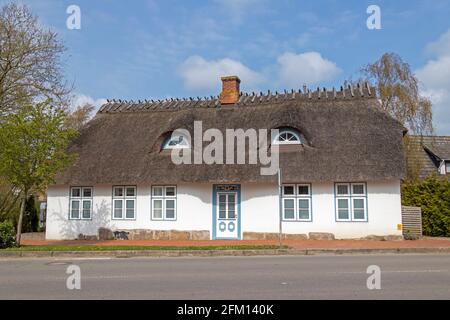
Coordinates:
433 196
7 235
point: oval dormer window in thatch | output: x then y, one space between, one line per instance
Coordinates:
287 136
175 141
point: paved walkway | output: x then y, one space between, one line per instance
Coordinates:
295 244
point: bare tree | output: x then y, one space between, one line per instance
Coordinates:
80 116
30 60
398 89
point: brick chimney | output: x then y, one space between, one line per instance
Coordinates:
230 90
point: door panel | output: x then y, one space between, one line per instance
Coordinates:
226 215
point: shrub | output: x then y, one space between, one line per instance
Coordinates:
7 235
433 196
409 236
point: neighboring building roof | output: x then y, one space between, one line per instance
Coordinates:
349 139
427 154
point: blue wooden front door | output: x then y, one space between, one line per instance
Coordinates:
226 212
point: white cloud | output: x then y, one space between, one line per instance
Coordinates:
441 47
237 9
201 74
305 68
435 80
290 70
436 73
81 99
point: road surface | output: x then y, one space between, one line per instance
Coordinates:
289 277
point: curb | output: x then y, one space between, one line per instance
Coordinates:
217 253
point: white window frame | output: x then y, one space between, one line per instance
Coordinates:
227 207
167 141
124 198
164 198
290 131
350 197
353 208
295 208
81 199
297 197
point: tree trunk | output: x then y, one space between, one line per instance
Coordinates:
19 224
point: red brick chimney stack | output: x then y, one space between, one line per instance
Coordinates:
230 90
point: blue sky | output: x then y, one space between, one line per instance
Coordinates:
156 49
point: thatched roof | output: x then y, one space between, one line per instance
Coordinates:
348 139
427 153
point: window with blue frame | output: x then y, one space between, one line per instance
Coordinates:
124 203
164 203
296 202
80 203
351 201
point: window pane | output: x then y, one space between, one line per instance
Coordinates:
170 213
359 214
158 191
170 191
342 189
118 192
231 198
303 204
170 204
87 209
76 192
343 214
343 203
289 211
358 189
447 167
303 209
288 190
170 209
289 203
87 192
222 214
343 209
289 214
157 209
303 214
118 205
131 192
129 214
75 211
358 209
358 203
303 190
231 214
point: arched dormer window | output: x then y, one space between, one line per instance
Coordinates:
175 141
288 136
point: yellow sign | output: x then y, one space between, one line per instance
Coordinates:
399 227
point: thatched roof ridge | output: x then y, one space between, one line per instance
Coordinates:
350 92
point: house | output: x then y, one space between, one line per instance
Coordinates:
429 155
340 156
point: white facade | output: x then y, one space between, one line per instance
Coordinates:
259 211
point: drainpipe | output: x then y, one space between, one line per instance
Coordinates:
280 204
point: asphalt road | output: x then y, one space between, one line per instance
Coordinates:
301 277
